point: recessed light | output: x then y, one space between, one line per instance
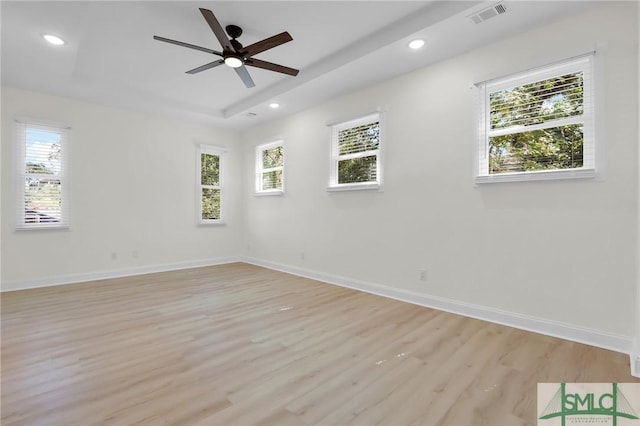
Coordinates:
416 44
274 105
55 40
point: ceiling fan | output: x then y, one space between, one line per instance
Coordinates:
233 53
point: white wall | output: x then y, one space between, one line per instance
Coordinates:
132 188
560 251
635 363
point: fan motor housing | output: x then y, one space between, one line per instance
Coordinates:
234 31
233 53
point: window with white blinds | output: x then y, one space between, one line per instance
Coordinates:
539 124
41 175
210 184
270 168
355 154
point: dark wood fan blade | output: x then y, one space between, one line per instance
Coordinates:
244 76
267 43
217 29
190 46
271 66
206 66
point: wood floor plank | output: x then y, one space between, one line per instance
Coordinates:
242 345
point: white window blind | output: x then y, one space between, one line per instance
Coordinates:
270 168
209 184
355 153
539 124
41 175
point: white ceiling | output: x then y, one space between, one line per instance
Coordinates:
111 58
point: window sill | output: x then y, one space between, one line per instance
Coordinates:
269 193
42 227
537 176
365 186
212 223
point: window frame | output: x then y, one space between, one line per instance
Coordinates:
260 171
335 157
22 125
221 154
584 63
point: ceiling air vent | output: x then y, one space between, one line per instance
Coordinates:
483 15
250 114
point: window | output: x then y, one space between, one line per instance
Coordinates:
210 179
355 154
41 175
538 124
270 168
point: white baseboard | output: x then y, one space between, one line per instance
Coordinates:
537 325
102 275
565 331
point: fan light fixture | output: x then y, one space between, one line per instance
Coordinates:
234 54
233 62
55 40
416 44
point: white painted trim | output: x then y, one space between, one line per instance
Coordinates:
20 130
221 153
362 186
634 358
511 319
103 275
41 122
335 156
260 170
540 63
355 117
586 64
269 193
635 366
538 175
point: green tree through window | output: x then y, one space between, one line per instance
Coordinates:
356 150
210 186
272 168
531 128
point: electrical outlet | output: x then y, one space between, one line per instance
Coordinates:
135 254
422 274
114 255
301 255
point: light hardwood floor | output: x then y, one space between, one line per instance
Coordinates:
241 345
